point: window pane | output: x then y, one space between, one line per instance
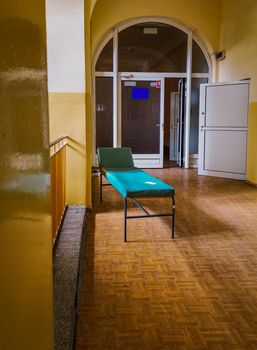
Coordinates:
104 112
152 47
199 62
194 119
141 116
104 62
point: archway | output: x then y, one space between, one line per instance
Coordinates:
142 54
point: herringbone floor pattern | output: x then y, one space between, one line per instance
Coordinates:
197 292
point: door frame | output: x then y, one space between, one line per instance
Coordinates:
143 160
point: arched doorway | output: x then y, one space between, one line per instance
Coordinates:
147 72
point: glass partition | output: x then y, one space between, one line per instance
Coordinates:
105 59
152 47
199 62
144 48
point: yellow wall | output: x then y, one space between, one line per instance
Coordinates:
67 117
92 5
26 316
203 15
88 125
252 144
238 37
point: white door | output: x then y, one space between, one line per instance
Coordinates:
223 128
142 118
174 115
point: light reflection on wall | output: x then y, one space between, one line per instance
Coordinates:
26 161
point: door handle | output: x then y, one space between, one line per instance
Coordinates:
131 76
160 125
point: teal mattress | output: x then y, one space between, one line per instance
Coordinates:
134 183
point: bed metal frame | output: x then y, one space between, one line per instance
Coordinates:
147 214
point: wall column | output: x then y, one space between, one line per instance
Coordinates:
26 317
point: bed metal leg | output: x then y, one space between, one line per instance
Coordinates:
173 218
125 219
101 187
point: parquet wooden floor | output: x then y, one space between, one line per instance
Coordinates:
197 292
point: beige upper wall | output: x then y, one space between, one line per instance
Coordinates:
65 45
239 38
203 15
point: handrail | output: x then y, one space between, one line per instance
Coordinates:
58 182
59 139
55 146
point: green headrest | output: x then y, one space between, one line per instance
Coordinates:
115 157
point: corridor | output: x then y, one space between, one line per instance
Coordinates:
196 292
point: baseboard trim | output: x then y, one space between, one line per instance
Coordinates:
59 229
251 183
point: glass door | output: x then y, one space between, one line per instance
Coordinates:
181 122
142 122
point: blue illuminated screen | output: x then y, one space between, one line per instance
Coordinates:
140 93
